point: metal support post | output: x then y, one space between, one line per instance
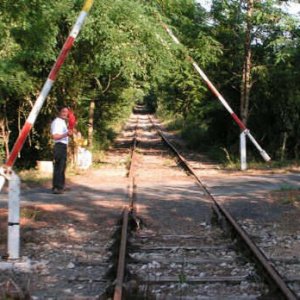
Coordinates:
2 181
13 239
243 151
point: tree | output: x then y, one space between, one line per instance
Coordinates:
123 55
246 77
117 56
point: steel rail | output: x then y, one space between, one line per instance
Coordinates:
118 291
122 257
273 275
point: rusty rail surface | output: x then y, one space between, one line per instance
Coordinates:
273 276
128 209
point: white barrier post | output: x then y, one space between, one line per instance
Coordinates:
13 239
243 151
2 181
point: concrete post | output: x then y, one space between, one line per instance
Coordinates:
243 151
13 240
2 181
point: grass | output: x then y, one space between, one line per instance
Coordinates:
174 123
182 278
198 139
107 140
232 162
168 162
274 164
291 197
31 213
288 187
34 177
98 157
287 194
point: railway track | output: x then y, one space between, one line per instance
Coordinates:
180 253
281 249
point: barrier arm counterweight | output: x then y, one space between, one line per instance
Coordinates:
5 171
213 89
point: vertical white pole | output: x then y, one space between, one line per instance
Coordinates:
243 151
13 241
2 181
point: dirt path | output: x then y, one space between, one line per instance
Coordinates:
66 238
164 191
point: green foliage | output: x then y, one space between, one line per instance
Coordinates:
123 56
115 61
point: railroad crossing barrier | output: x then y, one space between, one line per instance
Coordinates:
14 205
213 89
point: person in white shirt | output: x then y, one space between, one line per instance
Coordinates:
60 135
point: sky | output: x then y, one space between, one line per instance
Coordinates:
289 6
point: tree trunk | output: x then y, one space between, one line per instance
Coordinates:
4 134
4 130
296 150
283 147
91 123
246 78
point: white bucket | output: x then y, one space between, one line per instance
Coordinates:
45 166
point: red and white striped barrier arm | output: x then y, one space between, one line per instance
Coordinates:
246 131
49 83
